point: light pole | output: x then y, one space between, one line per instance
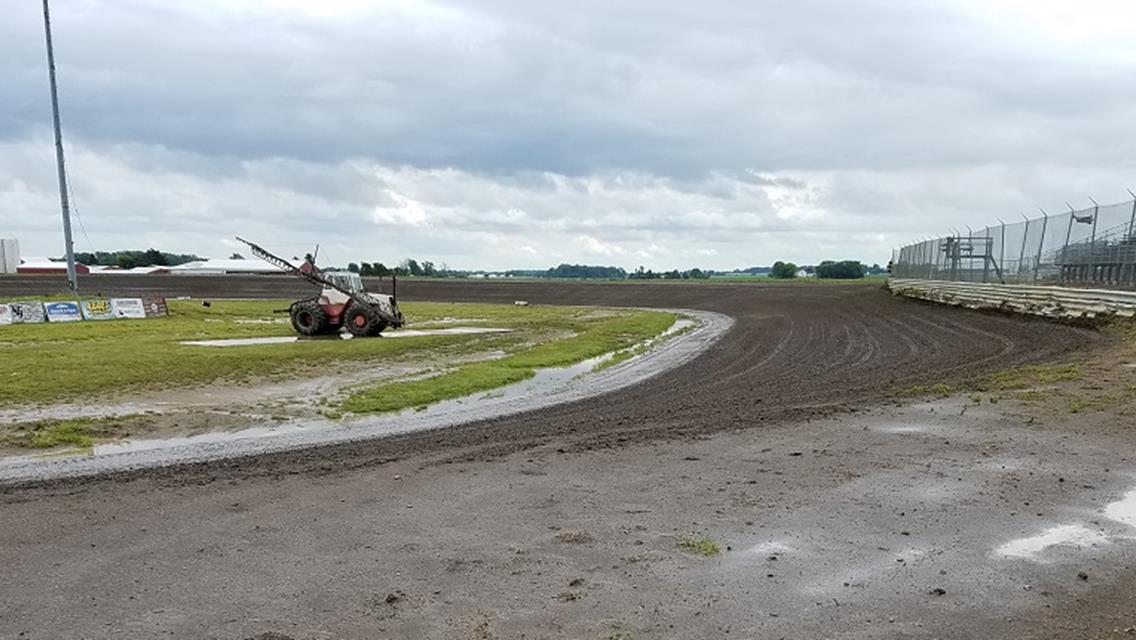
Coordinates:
72 279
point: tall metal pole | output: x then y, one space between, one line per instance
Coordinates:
72 279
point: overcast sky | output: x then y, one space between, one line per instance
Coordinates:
520 133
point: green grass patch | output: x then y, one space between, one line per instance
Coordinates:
701 545
596 334
1033 375
74 361
78 432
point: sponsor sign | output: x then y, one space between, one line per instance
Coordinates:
27 312
155 307
5 314
128 308
96 309
62 311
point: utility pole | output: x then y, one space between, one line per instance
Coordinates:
72 279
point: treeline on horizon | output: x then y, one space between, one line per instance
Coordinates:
131 259
843 269
827 269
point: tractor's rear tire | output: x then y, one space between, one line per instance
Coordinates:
309 318
363 322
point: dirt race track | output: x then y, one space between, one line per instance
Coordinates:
562 522
796 352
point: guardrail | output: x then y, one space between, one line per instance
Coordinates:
1052 302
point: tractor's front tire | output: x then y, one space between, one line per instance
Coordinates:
363 322
309 318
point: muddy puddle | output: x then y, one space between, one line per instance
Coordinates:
546 387
403 333
1077 537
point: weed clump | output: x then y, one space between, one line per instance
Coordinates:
701 545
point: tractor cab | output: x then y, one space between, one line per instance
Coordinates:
346 280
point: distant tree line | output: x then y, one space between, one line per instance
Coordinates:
844 269
585 271
408 267
828 269
783 270
131 259
674 274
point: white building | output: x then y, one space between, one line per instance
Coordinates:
217 267
9 256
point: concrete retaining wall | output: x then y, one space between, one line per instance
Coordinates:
1054 302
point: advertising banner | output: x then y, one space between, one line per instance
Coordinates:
128 308
62 311
96 309
5 314
27 312
156 307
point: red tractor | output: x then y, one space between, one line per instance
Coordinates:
343 302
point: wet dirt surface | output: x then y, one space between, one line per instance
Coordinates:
684 340
840 513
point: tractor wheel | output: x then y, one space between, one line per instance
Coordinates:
309 318
363 322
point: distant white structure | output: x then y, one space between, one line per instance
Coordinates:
220 267
134 271
801 273
47 266
9 256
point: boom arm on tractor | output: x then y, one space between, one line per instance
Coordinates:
315 276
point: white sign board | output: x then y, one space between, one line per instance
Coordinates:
62 311
27 312
128 308
96 309
5 314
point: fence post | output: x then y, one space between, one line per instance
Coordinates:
1040 243
938 249
1022 255
1068 235
1132 218
1002 248
1128 247
930 244
987 250
1093 242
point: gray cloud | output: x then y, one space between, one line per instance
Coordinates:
715 133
